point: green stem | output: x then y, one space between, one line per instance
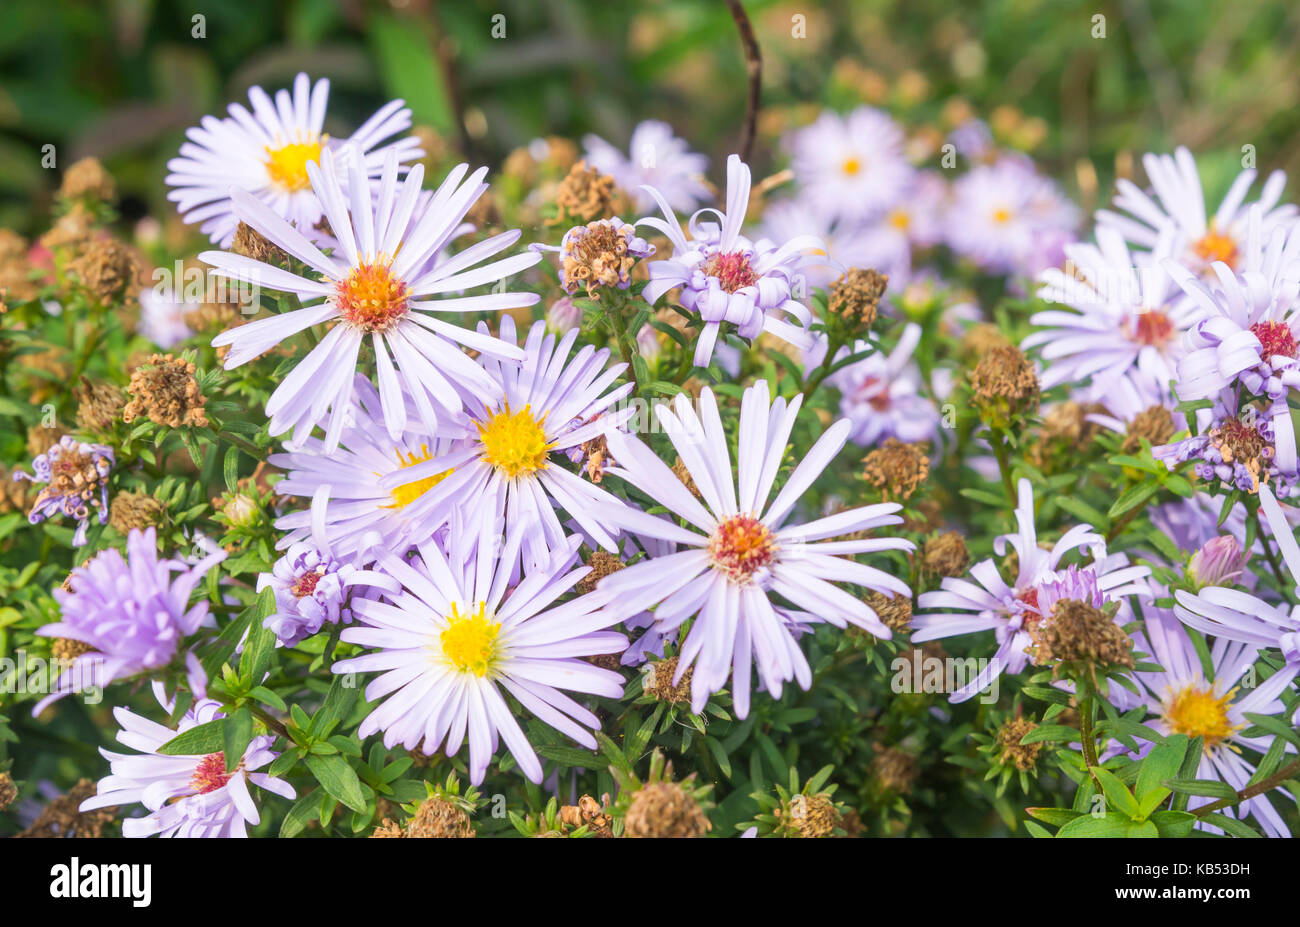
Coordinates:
1000 452
1289 771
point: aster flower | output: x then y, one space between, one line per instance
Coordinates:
656 158
360 492
75 475
1248 338
598 254
1177 206
1008 218
520 427
846 245
1183 701
387 285
1011 611
131 613
852 166
265 153
881 394
186 796
726 277
1237 615
310 588
1123 320
162 318
458 637
1239 449
741 555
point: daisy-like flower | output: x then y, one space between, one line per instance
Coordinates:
852 166
655 158
1008 218
162 318
880 394
726 277
1124 319
131 613
1237 615
458 637
749 579
1183 701
1249 337
386 283
311 590
75 475
360 492
265 153
520 428
1177 205
186 796
846 244
1011 610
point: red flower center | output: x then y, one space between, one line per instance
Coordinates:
740 546
732 270
306 584
1275 339
1153 327
210 774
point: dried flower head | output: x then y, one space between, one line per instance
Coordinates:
73 230
897 469
1004 384
600 254
590 814
16 284
75 475
596 454
252 244
87 179
440 817
945 555
8 791
681 471
99 405
665 809
895 770
1155 424
13 493
1011 752
982 338
809 815
132 509
1082 635
164 390
894 612
63 818
602 564
657 681
109 269
855 297
586 195
66 649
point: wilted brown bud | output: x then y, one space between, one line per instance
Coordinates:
897 469
87 179
945 555
164 390
586 195
665 809
855 297
1011 750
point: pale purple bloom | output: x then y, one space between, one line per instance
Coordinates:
1177 207
1220 561
132 612
656 158
844 241
186 796
726 277
162 318
1183 701
1236 615
519 427
740 551
459 633
311 590
71 461
1008 218
853 166
1220 452
1123 319
265 152
990 604
384 281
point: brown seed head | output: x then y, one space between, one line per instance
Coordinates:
897 469
164 390
665 809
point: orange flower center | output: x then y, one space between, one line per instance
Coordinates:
740 546
1215 247
1152 327
371 298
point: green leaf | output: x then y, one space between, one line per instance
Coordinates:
260 645
1111 825
1132 498
337 777
1057 817
300 815
1117 794
404 53
200 740
338 704
1163 762
1209 788
1230 825
1173 823
1051 733
238 732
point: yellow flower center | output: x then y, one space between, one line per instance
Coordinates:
1215 247
1001 215
851 167
469 641
899 219
514 442
1196 711
740 546
407 493
287 164
371 298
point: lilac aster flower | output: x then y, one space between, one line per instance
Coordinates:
132 613
656 158
852 166
361 492
520 428
1177 205
726 277
311 590
846 242
1123 319
990 604
266 152
75 475
1183 701
387 283
1248 338
186 796
458 637
740 553
1238 449
1008 218
162 318
1236 615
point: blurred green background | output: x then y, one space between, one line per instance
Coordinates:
122 79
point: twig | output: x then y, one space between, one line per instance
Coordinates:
754 65
1250 791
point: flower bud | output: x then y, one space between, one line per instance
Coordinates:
1218 563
